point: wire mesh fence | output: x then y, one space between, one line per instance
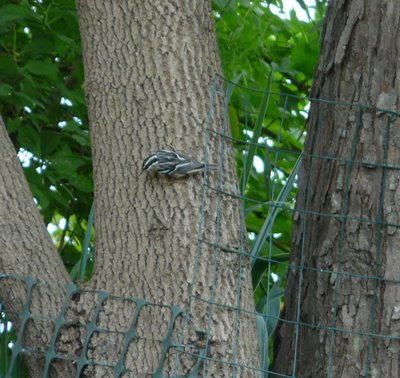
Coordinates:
267 131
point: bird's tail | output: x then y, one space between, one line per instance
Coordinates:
211 167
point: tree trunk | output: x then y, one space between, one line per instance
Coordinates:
346 242
26 249
149 68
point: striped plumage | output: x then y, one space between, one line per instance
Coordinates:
173 163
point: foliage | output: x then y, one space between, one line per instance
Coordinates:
260 50
42 103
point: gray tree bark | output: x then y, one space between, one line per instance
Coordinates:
149 67
149 70
26 249
346 260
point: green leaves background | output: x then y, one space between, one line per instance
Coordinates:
42 104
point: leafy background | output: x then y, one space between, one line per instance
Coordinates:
43 106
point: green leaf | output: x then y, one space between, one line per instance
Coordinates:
49 142
4 350
41 196
254 140
86 244
42 68
267 227
263 341
29 139
14 124
82 139
42 45
270 305
66 164
267 318
8 67
11 12
5 90
82 182
305 7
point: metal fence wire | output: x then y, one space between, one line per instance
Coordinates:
268 131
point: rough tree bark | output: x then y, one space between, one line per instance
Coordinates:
26 249
148 73
359 63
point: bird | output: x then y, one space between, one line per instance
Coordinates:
171 162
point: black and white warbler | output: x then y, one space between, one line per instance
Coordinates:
173 163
